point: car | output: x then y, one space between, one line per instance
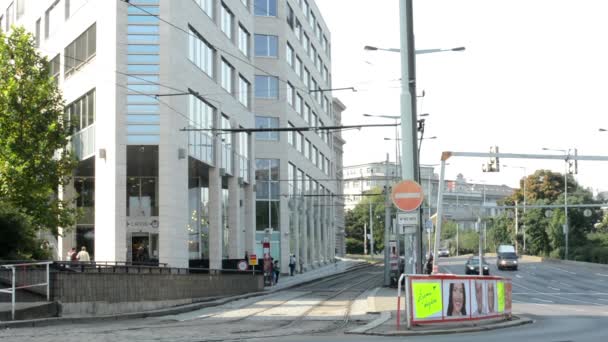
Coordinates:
443 252
472 266
506 260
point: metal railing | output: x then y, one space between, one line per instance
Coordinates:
12 290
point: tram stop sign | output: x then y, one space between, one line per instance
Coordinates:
407 195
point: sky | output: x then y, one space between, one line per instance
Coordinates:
534 75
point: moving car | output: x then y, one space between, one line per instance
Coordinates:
506 258
472 266
443 252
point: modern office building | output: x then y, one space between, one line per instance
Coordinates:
155 89
462 198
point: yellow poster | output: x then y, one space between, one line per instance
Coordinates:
500 289
426 297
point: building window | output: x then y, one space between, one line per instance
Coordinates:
10 16
289 55
73 6
290 17
299 140
325 44
306 78
207 6
244 86
80 50
307 149
244 2
38 33
298 30
243 40
51 19
315 153
290 134
266 45
298 104
267 194
201 53
227 76
265 8
54 67
298 67
266 87
319 33
306 43
290 93
266 122
312 20
307 113
325 74
81 113
226 19
21 8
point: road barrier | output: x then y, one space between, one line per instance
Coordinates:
453 298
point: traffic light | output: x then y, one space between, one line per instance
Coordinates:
494 164
573 164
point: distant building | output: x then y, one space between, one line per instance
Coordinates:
461 199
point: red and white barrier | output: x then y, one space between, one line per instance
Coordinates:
453 298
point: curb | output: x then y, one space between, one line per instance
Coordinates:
494 326
384 316
207 303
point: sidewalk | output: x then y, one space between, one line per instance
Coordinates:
384 302
286 281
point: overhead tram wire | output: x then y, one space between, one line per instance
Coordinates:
285 129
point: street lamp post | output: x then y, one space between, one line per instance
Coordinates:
409 157
566 227
524 195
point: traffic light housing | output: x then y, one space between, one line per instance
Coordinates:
494 164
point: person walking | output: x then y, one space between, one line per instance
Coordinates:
83 255
292 264
276 268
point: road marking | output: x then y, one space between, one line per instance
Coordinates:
553 288
559 269
518 276
543 300
565 284
559 296
604 299
563 293
602 275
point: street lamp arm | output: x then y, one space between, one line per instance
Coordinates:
418 52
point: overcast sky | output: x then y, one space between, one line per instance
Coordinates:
534 75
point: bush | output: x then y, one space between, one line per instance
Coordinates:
354 246
18 240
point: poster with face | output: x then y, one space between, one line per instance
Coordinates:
491 296
479 297
455 299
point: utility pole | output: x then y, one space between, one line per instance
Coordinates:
371 230
387 218
365 238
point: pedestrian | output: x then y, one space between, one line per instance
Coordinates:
71 254
292 264
83 255
276 268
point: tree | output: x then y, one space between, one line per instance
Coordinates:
500 231
358 217
34 160
19 241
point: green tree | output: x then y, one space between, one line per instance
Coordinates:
19 241
34 160
358 217
500 231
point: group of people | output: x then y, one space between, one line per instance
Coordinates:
275 268
82 256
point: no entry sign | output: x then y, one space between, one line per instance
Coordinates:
407 195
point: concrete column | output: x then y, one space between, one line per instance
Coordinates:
295 216
215 205
250 200
319 226
236 244
303 222
312 257
284 232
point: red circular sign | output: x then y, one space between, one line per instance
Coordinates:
407 195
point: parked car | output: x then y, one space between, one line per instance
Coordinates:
443 252
472 266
